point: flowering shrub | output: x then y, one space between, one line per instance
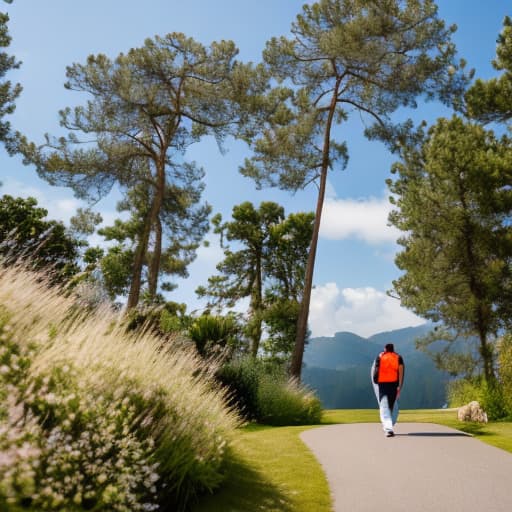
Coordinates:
94 419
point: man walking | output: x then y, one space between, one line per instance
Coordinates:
388 378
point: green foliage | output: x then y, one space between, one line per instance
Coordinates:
146 108
26 234
491 100
242 272
493 402
164 319
462 391
8 91
367 57
287 403
215 335
505 370
281 321
173 318
490 396
453 205
115 270
269 268
181 225
262 392
241 377
496 397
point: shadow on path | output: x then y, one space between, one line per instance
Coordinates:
436 434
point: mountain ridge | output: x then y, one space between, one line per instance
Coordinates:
338 369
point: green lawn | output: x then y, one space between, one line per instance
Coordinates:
273 471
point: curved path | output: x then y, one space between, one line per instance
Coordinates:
424 468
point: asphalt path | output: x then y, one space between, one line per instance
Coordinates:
424 468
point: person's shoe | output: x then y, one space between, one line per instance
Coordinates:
390 433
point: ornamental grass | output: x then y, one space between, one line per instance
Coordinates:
95 418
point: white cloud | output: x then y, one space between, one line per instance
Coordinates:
365 219
363 311
60 206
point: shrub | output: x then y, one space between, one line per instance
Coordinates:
214 335
492 401
490 397
287 403
505 371
262 392
98 419
462 391
241 377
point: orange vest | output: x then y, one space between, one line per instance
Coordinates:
388 367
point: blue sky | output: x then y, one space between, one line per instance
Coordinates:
356 250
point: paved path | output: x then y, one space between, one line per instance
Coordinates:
424 468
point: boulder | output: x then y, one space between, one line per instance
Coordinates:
472 412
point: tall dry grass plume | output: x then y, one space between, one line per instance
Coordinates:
81 367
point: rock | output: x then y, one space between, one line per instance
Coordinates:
472 412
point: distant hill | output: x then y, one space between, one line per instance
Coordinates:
338 369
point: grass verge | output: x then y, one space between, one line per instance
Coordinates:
274 471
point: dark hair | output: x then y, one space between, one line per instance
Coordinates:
390 347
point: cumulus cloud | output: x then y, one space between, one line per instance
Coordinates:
59 206
363 311
365 219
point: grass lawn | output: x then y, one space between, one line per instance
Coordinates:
273 471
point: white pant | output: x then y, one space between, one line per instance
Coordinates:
387 417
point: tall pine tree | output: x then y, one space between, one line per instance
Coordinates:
146 108
8 91
364 57
454 202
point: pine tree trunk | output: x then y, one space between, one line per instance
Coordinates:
302 322
256 307
154 265
487 356
475 286
138 262
154 268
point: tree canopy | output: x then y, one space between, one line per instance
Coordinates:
8 91
146 108
27 236
491 100
267 267
358 56
454 202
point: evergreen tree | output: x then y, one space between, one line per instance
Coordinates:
285 271
181 225
8 91
454 204
148 106
491 100
364 56
268 269
242 272
26 235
